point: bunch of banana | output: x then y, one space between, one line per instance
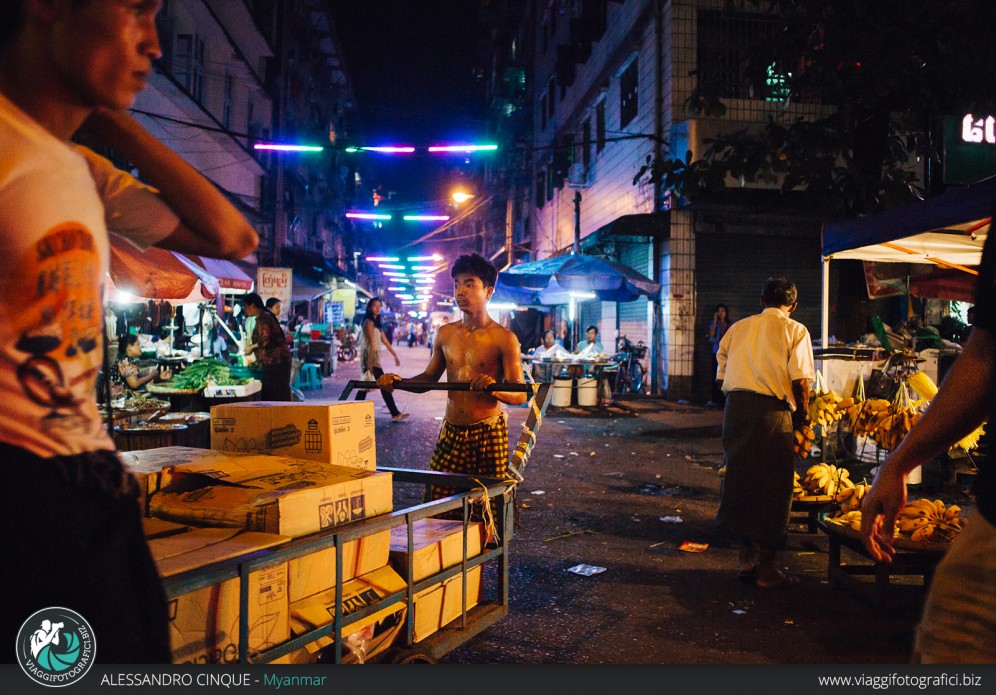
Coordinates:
824 408
865 413
826 479
797 489
890 429
850 497
802 441
929 522
851 519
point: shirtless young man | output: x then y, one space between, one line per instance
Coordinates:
474 437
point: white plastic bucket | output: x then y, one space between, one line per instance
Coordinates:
915 476
587 391
562 392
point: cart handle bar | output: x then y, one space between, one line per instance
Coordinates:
417 386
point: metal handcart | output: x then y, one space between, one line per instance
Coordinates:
474 489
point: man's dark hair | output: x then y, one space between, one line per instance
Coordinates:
779 291
478 266
272 302
253 299
591 327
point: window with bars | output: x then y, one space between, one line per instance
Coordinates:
226 115
628 94
727 43
586 144
188 63
600 126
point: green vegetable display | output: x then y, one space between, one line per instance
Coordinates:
200 373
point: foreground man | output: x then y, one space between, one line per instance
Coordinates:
73 535
958 624
474 436
765 366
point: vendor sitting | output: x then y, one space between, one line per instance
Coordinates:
593 346
126 371
550 350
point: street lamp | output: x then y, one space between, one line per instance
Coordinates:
462 196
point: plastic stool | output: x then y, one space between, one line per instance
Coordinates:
309 377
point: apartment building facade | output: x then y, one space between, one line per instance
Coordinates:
611 81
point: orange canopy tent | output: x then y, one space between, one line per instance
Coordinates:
156 274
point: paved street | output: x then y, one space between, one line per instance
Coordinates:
595 491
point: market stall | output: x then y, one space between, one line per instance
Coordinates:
948 231
137 276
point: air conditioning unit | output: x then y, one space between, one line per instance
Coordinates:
577 177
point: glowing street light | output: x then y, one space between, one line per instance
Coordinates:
395 275
385 259
462 196
391 266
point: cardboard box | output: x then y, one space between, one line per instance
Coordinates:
340 433
146 465
438 544
271 494
204 624
314 573
159 528
441 604
361 592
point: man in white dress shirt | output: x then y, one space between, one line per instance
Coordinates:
765 366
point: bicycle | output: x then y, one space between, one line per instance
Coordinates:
632 376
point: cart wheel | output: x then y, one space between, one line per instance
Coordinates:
410 656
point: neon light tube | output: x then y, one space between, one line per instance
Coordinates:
286 148
367 216
396 289
395 275
391 266
463 148
421 258
385 259
426 218
389 149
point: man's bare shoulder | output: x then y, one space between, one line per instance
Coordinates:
447 330
504 337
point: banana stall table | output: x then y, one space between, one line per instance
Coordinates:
918 559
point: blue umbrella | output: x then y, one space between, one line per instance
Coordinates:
555 280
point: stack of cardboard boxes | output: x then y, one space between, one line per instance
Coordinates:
277 471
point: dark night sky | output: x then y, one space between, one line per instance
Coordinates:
412 65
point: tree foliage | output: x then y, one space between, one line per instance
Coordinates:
889 70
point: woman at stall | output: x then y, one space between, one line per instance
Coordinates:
126 371
371 338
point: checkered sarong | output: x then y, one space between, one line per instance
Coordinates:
480 449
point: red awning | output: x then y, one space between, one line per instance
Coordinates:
231 278
952 285
157 274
